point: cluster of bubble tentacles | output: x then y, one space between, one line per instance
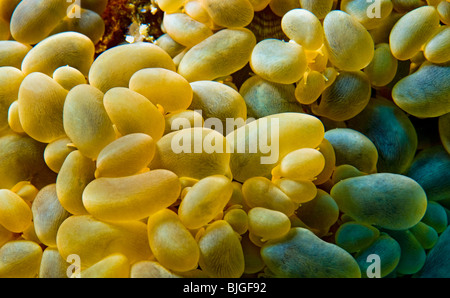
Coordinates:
355 95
